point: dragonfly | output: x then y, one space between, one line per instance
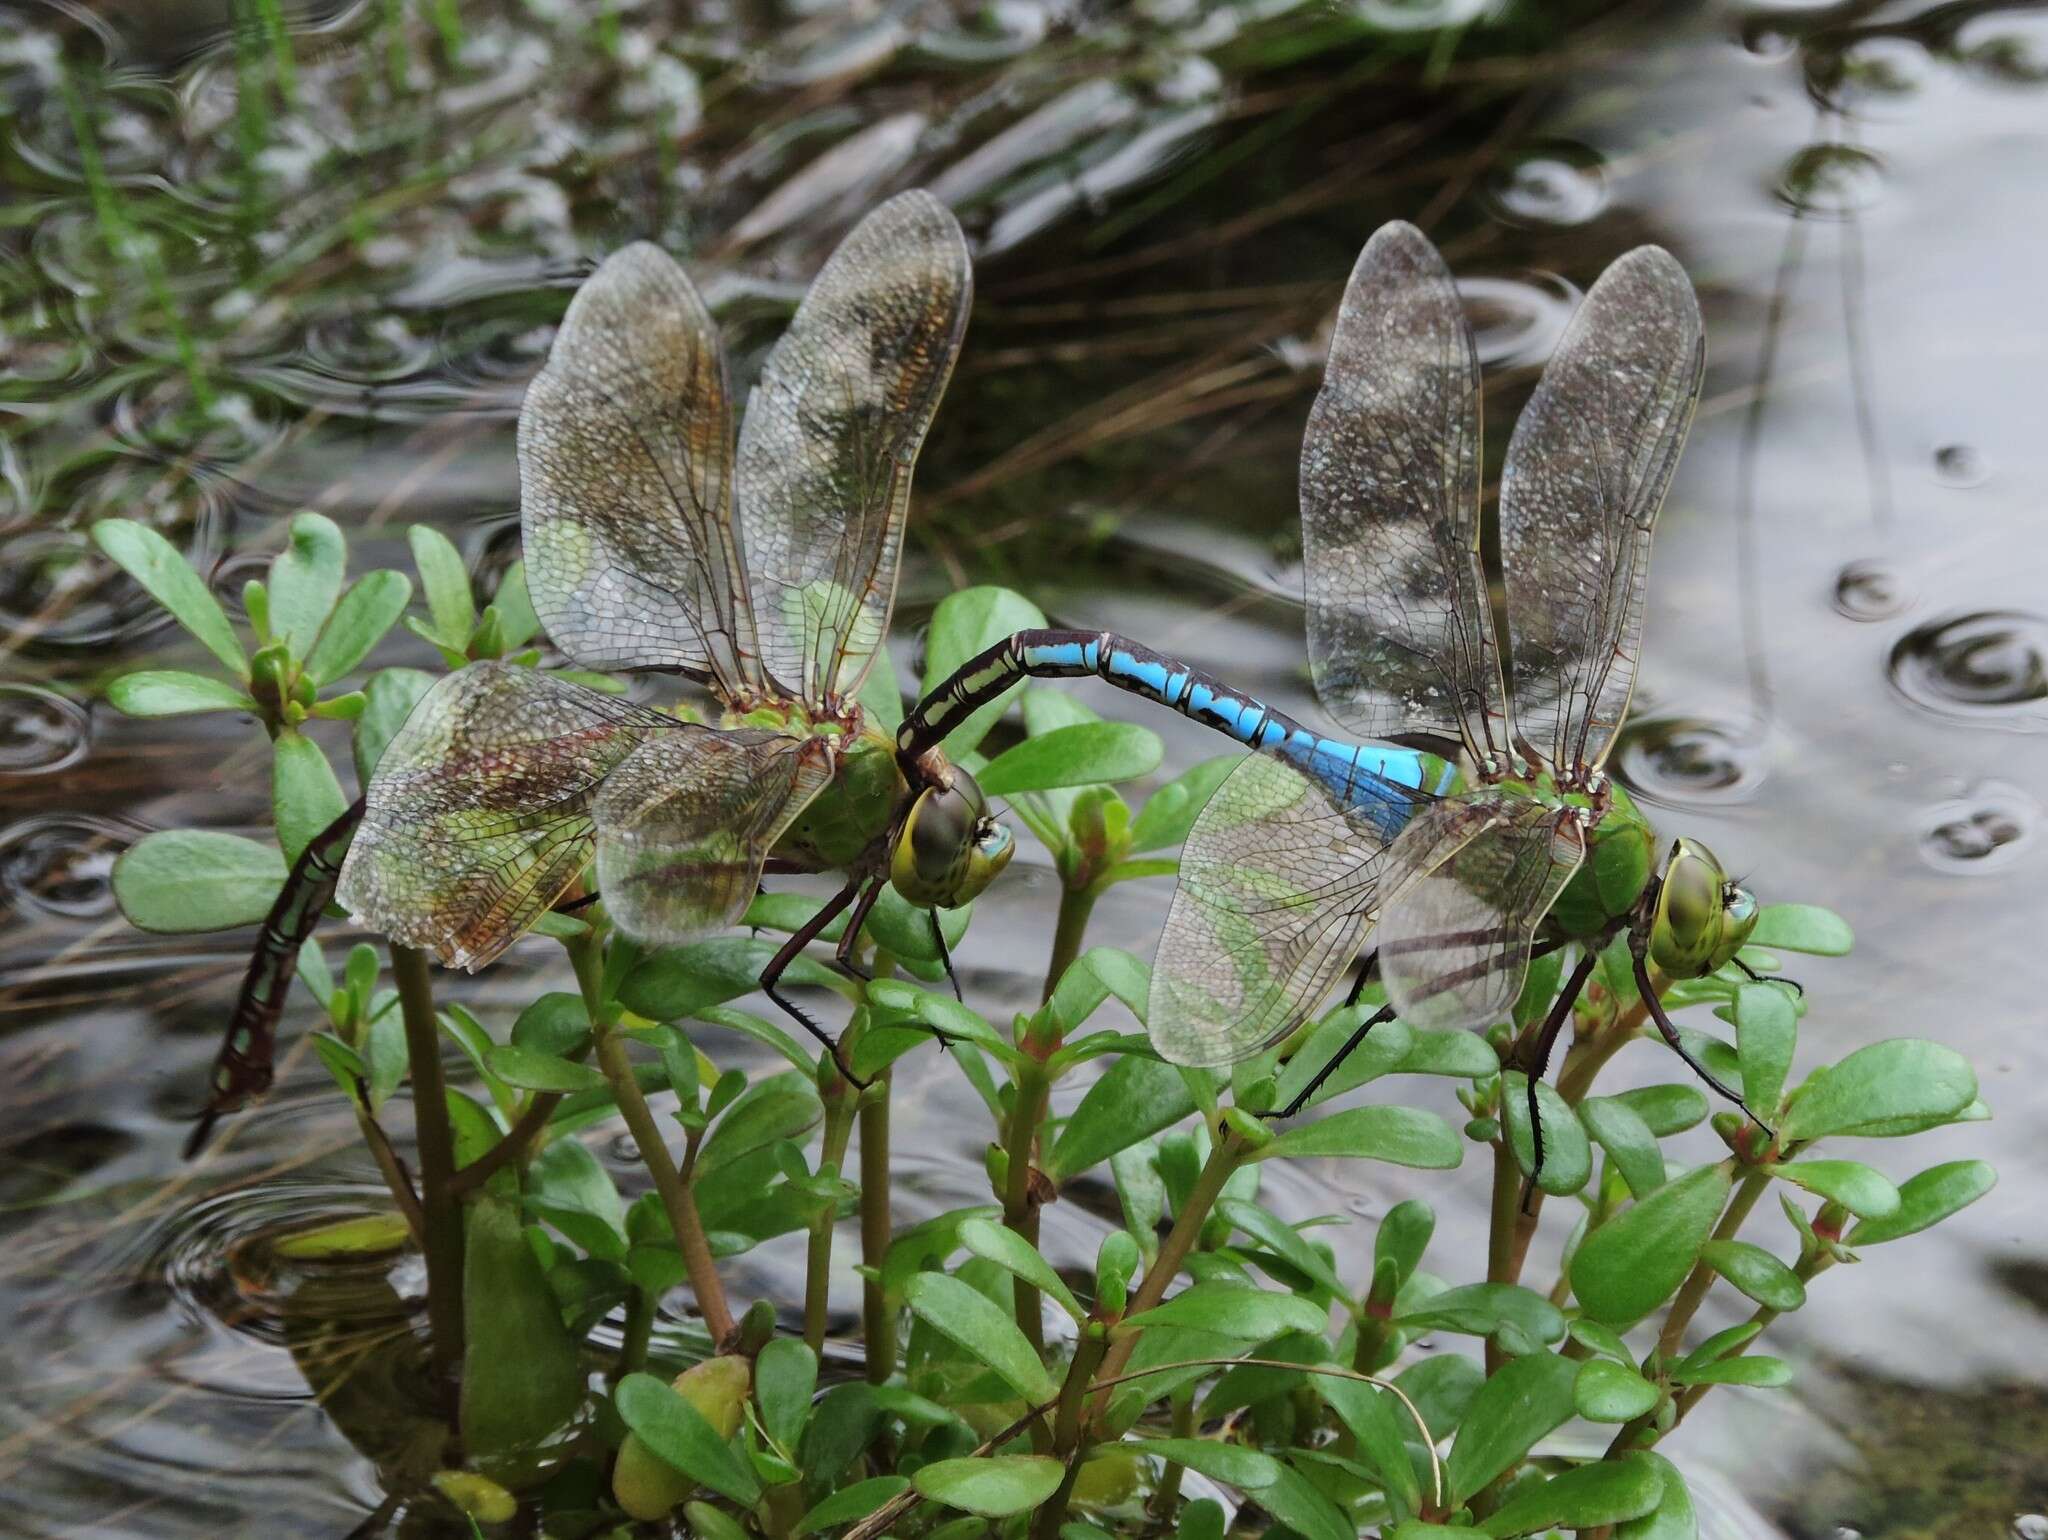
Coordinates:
763 569
1474 827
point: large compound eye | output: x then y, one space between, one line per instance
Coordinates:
1686 932
949 849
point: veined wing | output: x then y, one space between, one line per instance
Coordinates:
479 813
1586 472
831 434
1278 886
1466 885
684 824
625 470
1400 634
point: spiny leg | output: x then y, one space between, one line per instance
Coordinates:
849 939
808 932
1537 1060
1366 970
1759 978
945 957
1638 947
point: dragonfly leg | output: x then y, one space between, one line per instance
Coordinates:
1384 1013
574 905
1639 948
1537 1059
1757 978
849 939
945 957
791 949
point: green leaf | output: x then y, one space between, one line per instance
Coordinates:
445 581
1719 1346
1766 1032
369 609
1567 1157
1301 1506
1628 1266
1925 1200
533 1071
905 930
1481 1309
994 1486
978 1327
304 795
518 625
522 1374
305 580
781 1107
1283 1240
1802 928
1862 1191
1232 1464
568 1186
679 1436
1233 1310
1523 1400
1666 1109
1903 1079
1756 1273
388 700
554 1024
1606 1391
168 578
1082 755
785 1376
1628 1141
1383 1429
1385 1048
1753 1369
966 623
1603 1492
851 1503
1672 1518
1170 812
178 881
1442 1051
170 692
1133 1100
1403 1136
1018 1257
674 983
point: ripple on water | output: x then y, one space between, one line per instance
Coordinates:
1558 183
61 864
1517 320
1871 77
40 730
1989 826
1989 667
1871 590
2030 1526
1832 181
1681 761
1960 465
2011 50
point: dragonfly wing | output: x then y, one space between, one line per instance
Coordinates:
625 471
832 432
1277 889
1400 633
1586 472
684 824
479 813
1467 883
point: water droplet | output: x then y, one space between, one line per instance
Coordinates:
1958 465
1832 181
1985 828
1550 185
1870 75
1870 590
1517 320
62 864
1688 761
1762 40
40 730
1982 666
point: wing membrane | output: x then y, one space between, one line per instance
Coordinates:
685 823
1586 472
1400 634
1278 886
831 435
479 813
1467 883
625 467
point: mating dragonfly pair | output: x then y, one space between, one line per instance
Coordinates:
768 572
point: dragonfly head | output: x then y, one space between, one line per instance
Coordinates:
950 845
1702 917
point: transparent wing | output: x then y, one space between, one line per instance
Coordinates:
1400 635
1586 472
479 813
1466 885
684 824
1277 888
831 435
625 473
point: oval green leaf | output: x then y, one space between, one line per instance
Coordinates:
179 881
522 1371
168 578
680 1437
1567 1156
1235 1310
1084 754
1481 1309
370 608
305 579
445 581
1756 1273
1927 1199
1018 1257
1803 928
851 1503
964 624
1603 1492
785 1376
1863 1192
304 795
1627 1139
1525 1399
1903 1080
1630 1265
978 1327
994 1486
171 692
1402 1136
531 1070
1232 1464
1766 1032
1672 1518
1606 1391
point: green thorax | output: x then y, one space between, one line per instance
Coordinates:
856 804
1621 855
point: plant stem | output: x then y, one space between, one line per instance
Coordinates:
1166 1495
676 1198
839 1115
1076 905
515 1146
393 1171
440 1209
638 1330
878 1321
1052 1513
1020 1207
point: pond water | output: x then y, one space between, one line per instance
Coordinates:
346 270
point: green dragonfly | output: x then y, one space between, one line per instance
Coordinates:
1454 867
765 571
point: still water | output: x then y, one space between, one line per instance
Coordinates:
339 246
